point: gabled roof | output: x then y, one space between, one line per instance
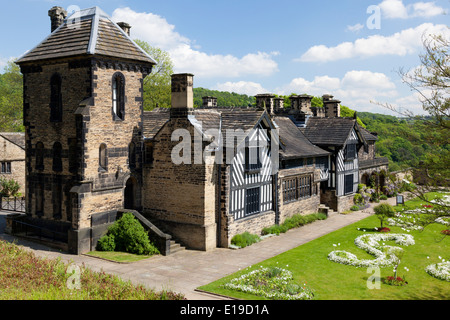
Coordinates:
368 136
204 119
17 138
87 32
330 131
295 144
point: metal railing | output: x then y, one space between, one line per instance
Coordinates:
12 204
40 232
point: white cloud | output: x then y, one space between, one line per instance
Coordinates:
355 89
186 57
395 9
355 28
405 42
242 87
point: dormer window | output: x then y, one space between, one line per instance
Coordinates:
118 96
55 98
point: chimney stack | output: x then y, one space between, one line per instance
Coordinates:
265 100
209 102
125 27
182 95
278 105
304 103
332 106
57 16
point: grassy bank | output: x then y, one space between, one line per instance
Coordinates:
24 276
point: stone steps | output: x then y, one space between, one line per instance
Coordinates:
175 245
328 211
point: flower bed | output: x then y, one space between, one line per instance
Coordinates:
272 283
371 244
439 270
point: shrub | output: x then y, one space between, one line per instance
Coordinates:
354 208
383 212
9 188
245 239
295 221
127 235
106 243
383 197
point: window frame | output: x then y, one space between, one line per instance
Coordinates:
56 107
103 157
346 184
57 165
118 96
296 188
6 167
252 201
40 153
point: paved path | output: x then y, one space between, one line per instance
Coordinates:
186 270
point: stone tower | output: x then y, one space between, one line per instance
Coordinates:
83 119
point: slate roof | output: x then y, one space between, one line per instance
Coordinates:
329 131
368 136
18 138
294 142
87 32
204 119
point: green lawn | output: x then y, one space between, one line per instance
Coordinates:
333 281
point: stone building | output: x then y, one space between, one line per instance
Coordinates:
195 175
82 111
12 157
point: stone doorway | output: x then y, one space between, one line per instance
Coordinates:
130 194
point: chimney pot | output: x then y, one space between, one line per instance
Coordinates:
125 27
209 101
57 16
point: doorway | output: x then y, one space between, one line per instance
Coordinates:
130 194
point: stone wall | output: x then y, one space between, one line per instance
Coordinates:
183 196
75 86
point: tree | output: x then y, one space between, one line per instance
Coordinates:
431 81
11 98
383 212
157 85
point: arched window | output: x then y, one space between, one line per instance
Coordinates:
56 98
39 156
118 96
57 157
132 155
102 157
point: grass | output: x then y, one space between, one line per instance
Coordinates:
24 276
333 281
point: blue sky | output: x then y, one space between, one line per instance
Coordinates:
350 49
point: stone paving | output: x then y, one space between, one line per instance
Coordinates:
186 270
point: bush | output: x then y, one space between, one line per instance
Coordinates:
9 188
245 239
127 235
106 243
354 208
